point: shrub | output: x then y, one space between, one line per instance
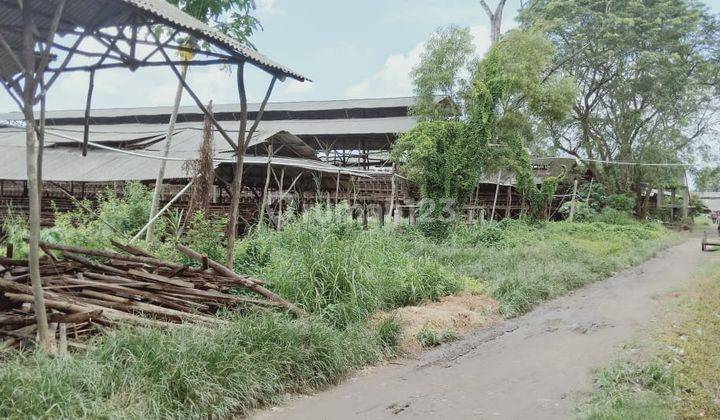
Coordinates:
620 202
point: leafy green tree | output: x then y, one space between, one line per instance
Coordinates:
707 179
232 17
509 90
446 59
643 73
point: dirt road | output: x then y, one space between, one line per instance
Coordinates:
532 367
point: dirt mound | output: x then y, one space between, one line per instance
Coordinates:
456 314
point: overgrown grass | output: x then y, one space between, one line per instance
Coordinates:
526 264
680 377
189 371
333 268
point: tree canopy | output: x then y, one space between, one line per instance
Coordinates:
644 72
232 17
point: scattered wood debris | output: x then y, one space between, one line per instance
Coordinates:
89 290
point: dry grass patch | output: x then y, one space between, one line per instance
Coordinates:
450 316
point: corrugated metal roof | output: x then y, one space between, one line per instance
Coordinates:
67 164
83 13
300 106
306 128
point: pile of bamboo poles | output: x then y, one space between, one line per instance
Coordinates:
88 290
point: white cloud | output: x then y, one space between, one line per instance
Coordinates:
393 79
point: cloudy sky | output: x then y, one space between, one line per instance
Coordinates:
351 49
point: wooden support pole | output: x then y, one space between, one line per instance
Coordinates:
573 201
497 191
158 190
88 105
337 188
243 141
508 212
265 195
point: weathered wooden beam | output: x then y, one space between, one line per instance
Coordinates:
88 105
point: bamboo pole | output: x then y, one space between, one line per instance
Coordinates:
164 209
157 193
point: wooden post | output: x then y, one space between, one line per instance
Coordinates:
572 203
265 198
510 201
381 214
88 105
412 215
672 204
659 200
157 192
365 216
393 191
282 199
242 143
497 191
337 188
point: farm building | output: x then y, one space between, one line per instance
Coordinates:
317 151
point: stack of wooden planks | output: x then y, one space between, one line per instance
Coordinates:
87 290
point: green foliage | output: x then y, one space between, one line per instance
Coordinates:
642 70
118 217
330 266
232 17
390 334
15 230
620 202
207 235
444 158
447 55
707 179
431 338
529 263
629 391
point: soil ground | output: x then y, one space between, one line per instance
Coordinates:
535 366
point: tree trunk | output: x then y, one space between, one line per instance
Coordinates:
157 194
495 19
47 342
239 166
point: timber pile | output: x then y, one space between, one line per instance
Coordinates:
89 290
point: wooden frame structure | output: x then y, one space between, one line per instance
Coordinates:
30 44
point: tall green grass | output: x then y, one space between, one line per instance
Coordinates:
333 268
187 372
526 264
330 266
